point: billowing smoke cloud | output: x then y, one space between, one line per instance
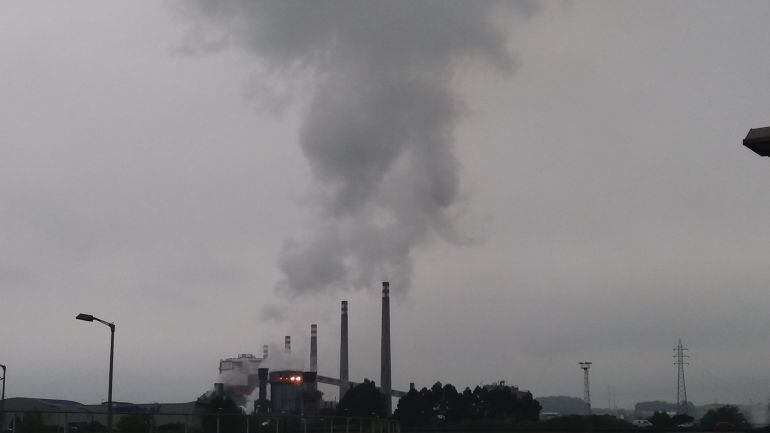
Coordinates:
280 360
378 128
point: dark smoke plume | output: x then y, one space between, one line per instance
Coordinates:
378 128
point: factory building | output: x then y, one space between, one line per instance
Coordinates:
294 391
239 375
286 391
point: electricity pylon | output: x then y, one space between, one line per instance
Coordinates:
681 387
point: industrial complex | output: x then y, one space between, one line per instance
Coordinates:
248 378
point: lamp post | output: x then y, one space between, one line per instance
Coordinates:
758 140
90 318
2 399
219 412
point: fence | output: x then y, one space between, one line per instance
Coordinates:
159 422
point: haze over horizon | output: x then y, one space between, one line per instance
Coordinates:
541 182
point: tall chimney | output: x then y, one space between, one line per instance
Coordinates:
287 344
385 349
314 347
344 349
264 351
262 372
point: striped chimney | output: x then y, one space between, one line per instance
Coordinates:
344 349
313 347
385 348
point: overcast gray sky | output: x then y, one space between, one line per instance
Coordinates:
542 183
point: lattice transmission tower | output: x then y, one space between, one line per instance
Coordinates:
681 388
586 365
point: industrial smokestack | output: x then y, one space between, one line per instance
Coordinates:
287 344
311 398
385 348
264 351
262 373
344 349
314 347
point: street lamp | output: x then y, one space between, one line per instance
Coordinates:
2 399
219 412
90 318
758 140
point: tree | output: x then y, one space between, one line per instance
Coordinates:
466 402
681 418
527 409
724 416
221 408
500 403
363 400
661 420
452 404
410 411
443 405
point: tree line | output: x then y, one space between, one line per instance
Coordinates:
443 404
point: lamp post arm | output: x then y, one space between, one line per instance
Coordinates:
111 325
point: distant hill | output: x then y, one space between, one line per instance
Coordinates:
562 404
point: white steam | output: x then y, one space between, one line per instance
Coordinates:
378 128
278 359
